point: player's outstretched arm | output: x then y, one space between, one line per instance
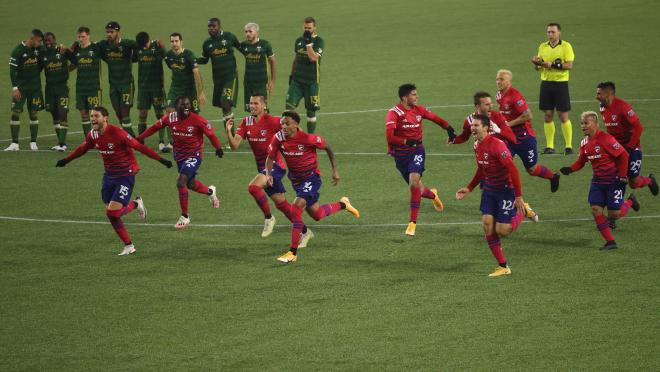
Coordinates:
463 191
78 152
333 164
132 142
579 163
150 131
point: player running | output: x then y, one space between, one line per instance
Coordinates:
188 130
116 148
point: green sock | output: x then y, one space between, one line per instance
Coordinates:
86 126
15 127
169 135
128 126
311 126
161 135
64 127
34 130
142 127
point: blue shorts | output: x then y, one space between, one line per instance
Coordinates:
309 189
189 166
117 189
526 149
607 194
499 204
411 163
634 162
278 186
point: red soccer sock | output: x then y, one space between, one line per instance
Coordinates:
542 172
326 210
118 225
515 222
285 208
296 229
428 194
200 187
603 226
640 182
183 200
495 246
415 198
625 208
129 208
260 197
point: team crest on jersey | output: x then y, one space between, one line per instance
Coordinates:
301 147
597 148
258 48
506 107
263 132
631 113
418 118
616 145
520 102
111 146
505 154
318 139
224 42
190 129
485 156
614 117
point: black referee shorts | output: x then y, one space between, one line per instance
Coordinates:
554 96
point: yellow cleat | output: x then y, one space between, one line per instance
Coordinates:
410 230
349 208
437 203
287 257
500 271
529 213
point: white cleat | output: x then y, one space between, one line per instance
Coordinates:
269 224
213 198
182 223
128 249
161 146
62 148
142 211
304 238
33 146
57 148
12 147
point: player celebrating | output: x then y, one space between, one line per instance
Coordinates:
517 114
55 60
187 130
502 205
609 161
622 122
499 128
403 124
186 78
116 148
86 57
259 65
299 151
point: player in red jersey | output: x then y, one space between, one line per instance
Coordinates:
299 151
609 161
513 107
116 148
499 128
188 130
502 206
403 125
622 122
258 129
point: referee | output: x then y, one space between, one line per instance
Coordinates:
554 59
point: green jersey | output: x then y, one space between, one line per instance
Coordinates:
25 67
304 70
220 50
56 66
182 66
119 57
88 62
150 66
257 68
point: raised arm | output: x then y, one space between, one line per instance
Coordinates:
233 139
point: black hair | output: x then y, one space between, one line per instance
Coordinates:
37 32
142 38
176 34
483 118
293 115
102 110
478 96
555 24
405 89
609 85
83 29
215 20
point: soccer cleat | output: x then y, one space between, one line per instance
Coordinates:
437 203
63 148
554 182
213 197
529 213
168 148
500 271
410 230
57 148
12 147
653 186
269 224
548 150
142 211
609 246
128 249
161 147
612 223
349 208
33 146
568 151
182 223
304 238
635 203
287 257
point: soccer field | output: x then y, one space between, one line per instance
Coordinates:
362 296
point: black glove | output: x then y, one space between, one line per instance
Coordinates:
451 133
566 170
165 162
290 79
307 37
219 153
61 163
557 65
412 142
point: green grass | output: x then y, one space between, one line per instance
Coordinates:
362 296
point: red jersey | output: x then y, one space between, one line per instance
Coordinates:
512 105
299 153
187 134
402 124
495 168
622 122
259 134
116 148
608 158
498 128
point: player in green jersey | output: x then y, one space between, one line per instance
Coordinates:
118 54
55 60
86 58
306 73
259 65
186 78
25 74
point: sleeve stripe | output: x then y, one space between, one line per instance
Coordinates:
13 64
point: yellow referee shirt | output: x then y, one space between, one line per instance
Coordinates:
564 51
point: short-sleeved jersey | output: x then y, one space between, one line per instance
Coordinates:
257 68
306 71
620 118
259 133
187 134
182 66
150 66
119 57
601 150
493 157
407 124
116 148
562 51
513 104
220 50
56 66
25 67
498 128
299 153
88 63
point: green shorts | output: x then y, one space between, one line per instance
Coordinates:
224 91
173 94
310 92
57 98
88 101
122 95
146 98
251 89
34 99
